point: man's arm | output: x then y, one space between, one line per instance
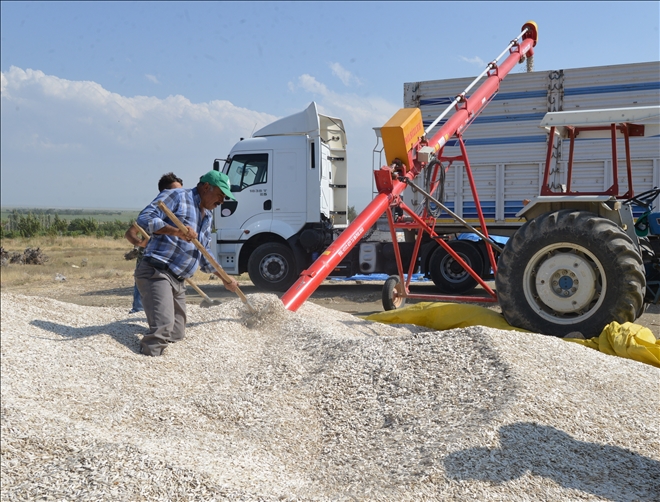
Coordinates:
134 237
174 231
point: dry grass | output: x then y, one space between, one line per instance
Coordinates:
83 258
76 258
58 242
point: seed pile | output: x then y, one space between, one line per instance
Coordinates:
314 405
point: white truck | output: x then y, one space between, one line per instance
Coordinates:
291 184
290 181
290 178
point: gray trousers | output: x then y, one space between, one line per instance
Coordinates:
164 301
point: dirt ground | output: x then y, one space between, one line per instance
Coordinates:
359 298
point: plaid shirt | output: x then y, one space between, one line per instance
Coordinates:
181 256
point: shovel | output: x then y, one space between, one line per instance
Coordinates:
206 254
206 301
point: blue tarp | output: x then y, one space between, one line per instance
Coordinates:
475 238
417 277
378 277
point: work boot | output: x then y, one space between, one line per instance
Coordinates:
152 350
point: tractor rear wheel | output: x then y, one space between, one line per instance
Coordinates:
570 271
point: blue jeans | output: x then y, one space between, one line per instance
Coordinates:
137 300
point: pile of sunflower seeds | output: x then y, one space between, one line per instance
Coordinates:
314 405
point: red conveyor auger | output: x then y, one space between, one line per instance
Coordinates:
408 151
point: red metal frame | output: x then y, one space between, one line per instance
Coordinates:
422 226
391 181
573 132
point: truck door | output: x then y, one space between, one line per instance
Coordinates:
289 186
252 185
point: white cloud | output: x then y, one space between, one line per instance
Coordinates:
3 83
310 84
358 109
69 134
152 78
85 146
476 60
344 75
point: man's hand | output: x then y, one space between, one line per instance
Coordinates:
131 255
230 286
189 235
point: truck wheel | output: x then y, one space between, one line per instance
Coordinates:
272 267
570 271
448 275
393 292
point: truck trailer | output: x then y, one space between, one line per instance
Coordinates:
507 143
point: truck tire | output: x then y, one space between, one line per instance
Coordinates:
570 271
448 276
393 285
272 267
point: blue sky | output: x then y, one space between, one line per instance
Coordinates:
99 99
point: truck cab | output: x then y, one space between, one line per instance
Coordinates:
290 184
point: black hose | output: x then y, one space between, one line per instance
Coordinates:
439 192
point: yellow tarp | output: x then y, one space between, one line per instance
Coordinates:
628 340
442 316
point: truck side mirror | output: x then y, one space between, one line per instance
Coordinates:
216 163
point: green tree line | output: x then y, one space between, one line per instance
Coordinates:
20 224
69 212
31 224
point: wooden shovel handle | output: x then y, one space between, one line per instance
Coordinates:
199 290
225 277
189 281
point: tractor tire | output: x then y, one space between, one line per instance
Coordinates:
272 267
448 276
570 271
393 292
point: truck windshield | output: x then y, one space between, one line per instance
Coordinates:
246 170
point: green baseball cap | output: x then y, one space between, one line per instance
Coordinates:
220 180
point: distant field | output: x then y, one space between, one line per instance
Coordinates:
99 215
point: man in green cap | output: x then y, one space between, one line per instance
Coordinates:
170 256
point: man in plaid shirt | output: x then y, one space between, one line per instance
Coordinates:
170 256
